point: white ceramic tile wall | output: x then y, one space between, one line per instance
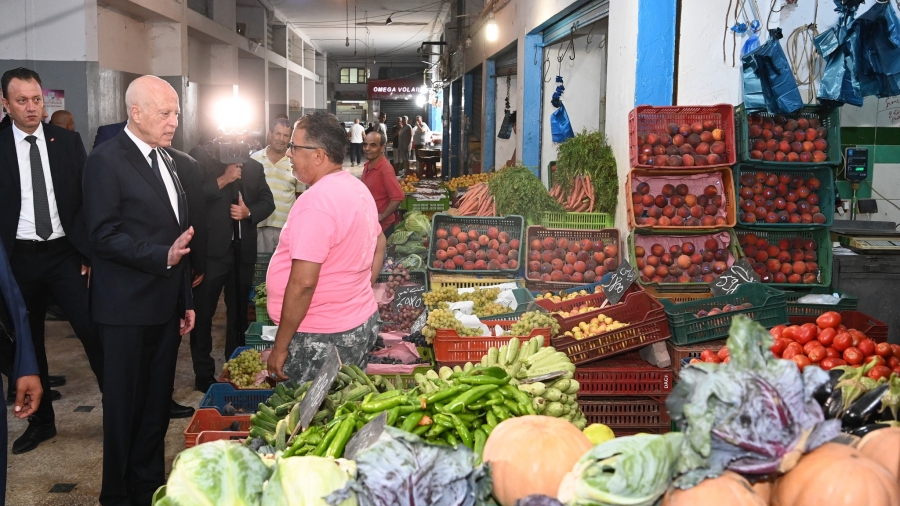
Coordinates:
886 181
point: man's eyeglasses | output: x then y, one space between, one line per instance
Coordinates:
293 146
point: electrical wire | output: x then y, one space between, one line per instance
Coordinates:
802 54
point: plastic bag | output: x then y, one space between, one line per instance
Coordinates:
560 126
776 80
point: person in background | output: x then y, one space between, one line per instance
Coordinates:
42 228
421 137
331 250
63 119
107 132
379 178
356 142
512 121
381 124
404 142
284 186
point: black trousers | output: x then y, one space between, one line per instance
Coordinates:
219 274
356 152
137 395
42 268
4 433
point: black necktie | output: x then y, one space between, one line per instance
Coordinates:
42 224
155 166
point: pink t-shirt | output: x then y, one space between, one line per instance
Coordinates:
335 224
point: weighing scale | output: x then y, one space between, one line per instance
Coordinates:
863 237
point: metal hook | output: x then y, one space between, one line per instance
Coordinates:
545 68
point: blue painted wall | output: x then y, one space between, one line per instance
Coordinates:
528 121
436 116
655 52
490 116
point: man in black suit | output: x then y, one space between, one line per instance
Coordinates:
108 132
42 230
137 221
236 192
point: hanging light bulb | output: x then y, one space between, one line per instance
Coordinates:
348 42
491 31
468 42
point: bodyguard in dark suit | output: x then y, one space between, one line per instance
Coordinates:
42 229
233 192
108 132
25 366
137 221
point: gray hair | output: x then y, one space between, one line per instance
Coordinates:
380 134
324 130
281 122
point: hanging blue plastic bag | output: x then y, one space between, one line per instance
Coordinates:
779 88
753 95
839 84
753 42
877 51
560 126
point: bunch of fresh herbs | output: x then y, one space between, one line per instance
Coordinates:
588 153
516 190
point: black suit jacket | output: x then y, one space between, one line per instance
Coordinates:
131 226
257 197
67 156
108 132
191 177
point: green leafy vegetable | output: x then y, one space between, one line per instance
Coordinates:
589 153
418 223
307 481
630 470
516 190
399 237
260 299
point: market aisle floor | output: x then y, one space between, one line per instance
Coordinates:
66 470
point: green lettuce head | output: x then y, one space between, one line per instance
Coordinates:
307 481
216 473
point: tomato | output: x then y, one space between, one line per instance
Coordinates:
897 371
853 356
842 341
810 345
880 371
829 320
833 353
876 359
893 362
726 359
826 337
802 361
709 356
896 350
830 363
866 346
857 336
817 354
777 330
806 333
841 328
792 351
695 361
884 350
779 346
723 353
789 332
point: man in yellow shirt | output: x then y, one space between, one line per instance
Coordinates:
285 187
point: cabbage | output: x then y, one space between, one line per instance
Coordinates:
399 237
216 473
413 263
417 222
306 481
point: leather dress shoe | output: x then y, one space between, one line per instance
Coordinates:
57 381
34 435
55 395
203 384
179 411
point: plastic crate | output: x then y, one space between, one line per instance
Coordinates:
678 353
450 349
411 204
847 303
873 328
646 321
769 309
591 297
514 226
404 381
220 435
609 236
262 265
596 300
237 351
830 118
646 238
211 420
680 294
262 316
824 174
624 375
245 401
824 252
415 277
697 180
645 119
436 281
253 337
635 413
583 221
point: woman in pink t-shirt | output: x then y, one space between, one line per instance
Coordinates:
319 282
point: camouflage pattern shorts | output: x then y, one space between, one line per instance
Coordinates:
308 351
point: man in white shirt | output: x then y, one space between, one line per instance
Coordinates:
285 187
357 132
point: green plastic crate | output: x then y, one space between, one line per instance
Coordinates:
253 337
584 221
733 247
513 225
262 316
847 303
769 309
829 116
411 204
823 173
823 250
262 265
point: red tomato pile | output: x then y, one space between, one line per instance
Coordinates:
827 344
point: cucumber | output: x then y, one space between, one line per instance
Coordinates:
432 375
552 394
513 353
283 410
573 387
539 404
468 367
267 412
257 421
562 385
281 436
493 356
534 389
259 432
501 359
445 373
457 368
554 409
294 417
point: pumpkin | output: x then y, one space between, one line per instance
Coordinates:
531 455
836 475
883 446
730 488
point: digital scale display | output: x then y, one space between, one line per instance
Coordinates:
856 164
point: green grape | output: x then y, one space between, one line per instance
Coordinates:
243 368
534 320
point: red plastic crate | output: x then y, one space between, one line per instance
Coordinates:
624 375
211 420
592 298
608 236
646 321
450 349
219 435
678 353
697 180
645 119
874 329
634 413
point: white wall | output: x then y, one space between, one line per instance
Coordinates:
48 30
504 148
123 42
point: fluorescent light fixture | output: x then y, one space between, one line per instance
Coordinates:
491 31
232 114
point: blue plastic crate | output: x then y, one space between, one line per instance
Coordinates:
247 401
238 350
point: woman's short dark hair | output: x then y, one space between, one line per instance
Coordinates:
324 130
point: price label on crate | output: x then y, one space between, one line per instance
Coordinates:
366 436
408 296
621 280
738 274
319 388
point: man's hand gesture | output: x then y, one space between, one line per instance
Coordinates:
240 210
180 247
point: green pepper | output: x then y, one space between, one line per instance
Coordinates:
501 412
527 409
336 448
443 394
374 406
392 415
451 439
506 394
462 400
487 429
520 396
327 440
387 395
492 419
412 421
464 435
486 376
436 430
421 429
477 406
513 407
443 420
480 439
410 409
495 395
467 417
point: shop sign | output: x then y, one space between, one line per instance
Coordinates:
392 89
54 100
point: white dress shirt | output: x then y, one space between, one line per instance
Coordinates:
26 230
166 177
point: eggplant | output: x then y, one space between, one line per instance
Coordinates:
823 392
832 406
865 409
865 429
